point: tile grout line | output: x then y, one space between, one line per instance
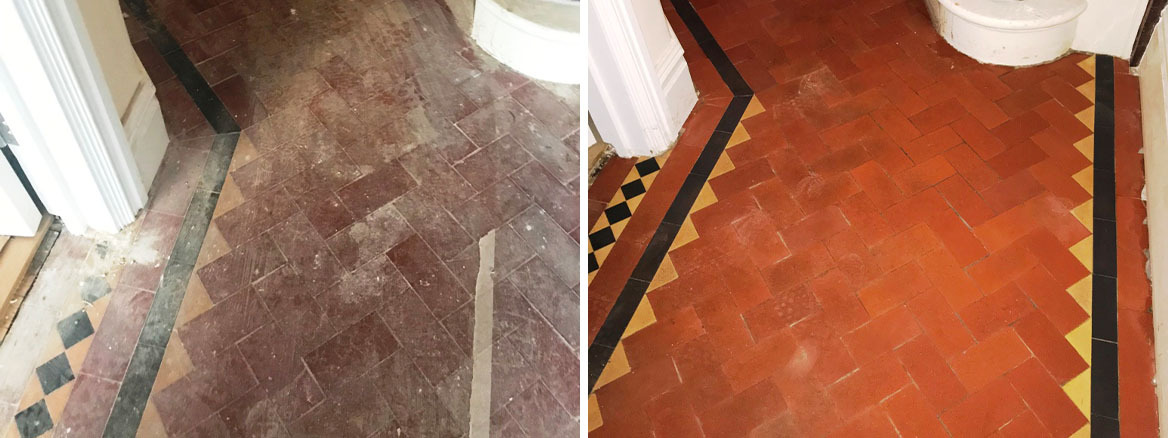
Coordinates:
134 392
1104 391
621 313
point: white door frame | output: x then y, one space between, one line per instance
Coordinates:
639 88
54 97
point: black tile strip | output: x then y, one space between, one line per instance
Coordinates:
600 351
198 88
126 415
1104 318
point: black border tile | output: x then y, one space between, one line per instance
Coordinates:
1104 318
617 320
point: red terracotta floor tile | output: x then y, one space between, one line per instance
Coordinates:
922 207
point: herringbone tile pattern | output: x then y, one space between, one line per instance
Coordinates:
901 244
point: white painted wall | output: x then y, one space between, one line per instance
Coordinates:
129 85
640 91
1153 74
1109 27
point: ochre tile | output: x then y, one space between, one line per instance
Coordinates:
245 152
1085 213
1081 292
194 303
642 317
56 401
1087 118
213 247
594 418
1086 146
686 234
229 198
151 426
175 364
1080 339
618 366
1079 390
1086 179
665 274
1084 251
76 354
754 108
738 136
32 392
705 198
723 166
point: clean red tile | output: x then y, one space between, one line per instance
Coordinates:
912 414
940 324
893 289
842 309
968 204
815 228
1001 267
872 423
867 386
797 269
915 210
984 411
980 139
952 281
976 172
743 412
932 144
761 240
1025 425
742 177
1050 347
896 124
828 356
1046 399
877 184
958 238
905 247
758 362
924 175
999 309
990 359
881 335
938 116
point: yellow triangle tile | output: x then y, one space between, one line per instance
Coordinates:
754 108
1079 390
738 136
617 198
634 203
151 426
76 354
229 197
245 152
686 234
633 175
1086 146
214 246
1085 432
594 420
11 431
1081 292
1087 116
600 223
97 311
1088 65
706 197
619 228
1086 179
176 363
194 303
722 166
592 275
618 365
32 393
1080 339
1085 214
602 254
665 273
54 347
55 402
1087 90
648 179
642 317
1084 252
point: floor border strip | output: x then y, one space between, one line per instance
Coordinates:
602 346
126 414
1104 306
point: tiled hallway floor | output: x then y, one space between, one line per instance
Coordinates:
896 241
334 292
